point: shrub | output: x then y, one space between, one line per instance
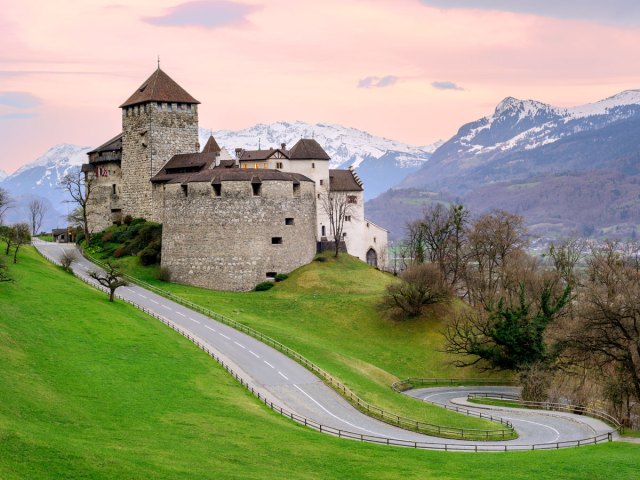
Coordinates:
320 259
281 277
107 236
164 274
261 287
149 255
137 221
119 252
67 259
79 238
127 220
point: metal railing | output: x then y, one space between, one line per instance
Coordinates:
365 407
477 447
558 407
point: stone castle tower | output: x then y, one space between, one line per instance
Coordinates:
159 121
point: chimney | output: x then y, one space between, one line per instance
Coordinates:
239 152
283 146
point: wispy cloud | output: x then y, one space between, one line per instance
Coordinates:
205 13
377 82
622 12
22 100
17 115
446 85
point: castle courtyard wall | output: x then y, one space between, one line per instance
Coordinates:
104 206
225 242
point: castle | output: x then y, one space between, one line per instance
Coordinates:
228 223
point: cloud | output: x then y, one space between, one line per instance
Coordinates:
205 13
22 100
446 86
376 82
17 115
622 12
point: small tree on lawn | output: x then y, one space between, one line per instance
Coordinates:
112 278
19 235
337 206
4 272
67 259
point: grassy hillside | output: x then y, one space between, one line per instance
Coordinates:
327 311
92 390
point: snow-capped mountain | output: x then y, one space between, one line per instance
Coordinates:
567 171
526 137
380 162
3 175
41 179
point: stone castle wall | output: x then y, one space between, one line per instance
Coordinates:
104 205
227 242
151 134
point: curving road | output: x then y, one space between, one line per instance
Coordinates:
286 383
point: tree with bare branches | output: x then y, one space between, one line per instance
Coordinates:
37 210
5 203
111 278
337 206
605 336
79 187
17 236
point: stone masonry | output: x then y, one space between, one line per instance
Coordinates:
152 133
238 239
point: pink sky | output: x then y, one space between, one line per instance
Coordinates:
65 66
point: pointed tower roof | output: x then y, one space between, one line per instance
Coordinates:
211 146
159 87
308 149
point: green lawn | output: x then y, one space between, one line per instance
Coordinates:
93 390
327 311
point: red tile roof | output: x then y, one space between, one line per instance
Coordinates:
159 87
211 146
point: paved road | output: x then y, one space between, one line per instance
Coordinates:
285 382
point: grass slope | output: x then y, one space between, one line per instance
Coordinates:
92 390
327 312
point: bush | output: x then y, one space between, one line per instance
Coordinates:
119 252
67 259
261 287
149 255
419 286
320 259
281 277
164 274
137 221
127 220
79 238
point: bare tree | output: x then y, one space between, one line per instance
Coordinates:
5 203
79 186
67 259
494 240
606 334
112 278
37 210
338 206
19 235
565 257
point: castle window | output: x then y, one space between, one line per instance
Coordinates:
113 189
367 224
374 239
313 165
324 231
271 274
288 221
255 165
296 189
185 189
321 182
352 199
344 234
276 240
347 218
318 196
279 165
217 189
257 189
